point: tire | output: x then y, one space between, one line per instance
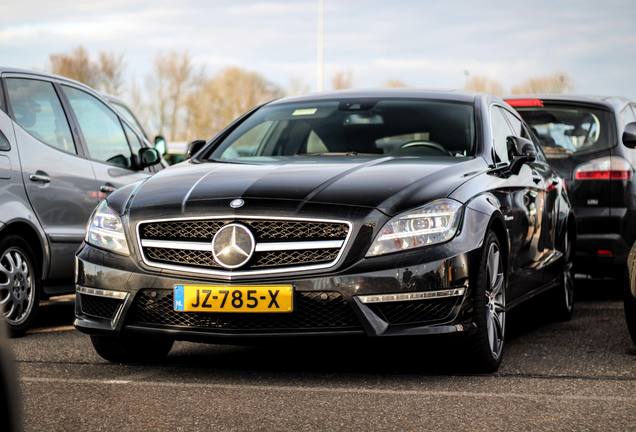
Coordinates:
485 345
562 298
20 284
132 349
630 308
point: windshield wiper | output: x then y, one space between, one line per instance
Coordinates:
351 153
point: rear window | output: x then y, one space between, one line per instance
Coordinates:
567 129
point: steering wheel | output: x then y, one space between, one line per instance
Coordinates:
426 144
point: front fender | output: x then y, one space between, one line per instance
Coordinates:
489 205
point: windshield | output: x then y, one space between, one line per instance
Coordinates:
564 130
365 128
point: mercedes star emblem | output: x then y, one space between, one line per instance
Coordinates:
233 246
237 203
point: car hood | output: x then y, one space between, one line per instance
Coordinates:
388 184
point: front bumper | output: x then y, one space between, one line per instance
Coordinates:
329 303
111 301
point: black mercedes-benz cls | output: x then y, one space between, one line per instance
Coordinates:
388 213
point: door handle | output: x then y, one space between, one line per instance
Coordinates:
40 178
106 188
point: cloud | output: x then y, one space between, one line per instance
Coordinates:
426 43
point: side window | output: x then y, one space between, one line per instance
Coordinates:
128 115
133 140
500 133
38 110
101 128
4 142
516 124
537 144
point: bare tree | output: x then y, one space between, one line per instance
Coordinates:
342 80
111 68
555 83
220 99
168 86
106 74
484 84
394 83
76 65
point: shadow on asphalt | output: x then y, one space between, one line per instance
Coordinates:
399 356
55 313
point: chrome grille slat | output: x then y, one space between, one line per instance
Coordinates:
282 245
260 247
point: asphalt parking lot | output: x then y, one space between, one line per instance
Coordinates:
579 375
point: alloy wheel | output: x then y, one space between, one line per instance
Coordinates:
568 273
495 300
16 286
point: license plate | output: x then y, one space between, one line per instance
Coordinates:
234 298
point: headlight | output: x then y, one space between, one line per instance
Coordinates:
433 223
106 231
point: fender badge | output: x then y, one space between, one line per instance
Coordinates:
237 203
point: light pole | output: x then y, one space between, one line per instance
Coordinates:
320 47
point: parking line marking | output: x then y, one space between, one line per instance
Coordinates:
56 329
346 390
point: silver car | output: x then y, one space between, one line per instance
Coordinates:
63 148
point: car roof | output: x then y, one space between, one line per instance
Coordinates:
615 103
5 69
449 95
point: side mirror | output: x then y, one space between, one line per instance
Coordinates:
194 147
148 157
524 152
161 145
629 135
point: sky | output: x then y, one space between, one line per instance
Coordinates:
425 43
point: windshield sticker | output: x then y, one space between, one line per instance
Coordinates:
304 111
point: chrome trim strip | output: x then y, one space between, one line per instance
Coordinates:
283 246
260 247
229 275
412 296
118 295
166 244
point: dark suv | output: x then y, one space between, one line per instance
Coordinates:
62 150
580 136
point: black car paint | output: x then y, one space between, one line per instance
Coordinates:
529 211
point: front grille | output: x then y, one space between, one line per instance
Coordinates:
413 312
100 307
263 230
181 256
261 259
156 238
313 311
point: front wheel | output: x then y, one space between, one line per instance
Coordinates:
132 349
489 300
19 284
563 295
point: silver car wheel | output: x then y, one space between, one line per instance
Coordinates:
568 273
16 286
495 301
